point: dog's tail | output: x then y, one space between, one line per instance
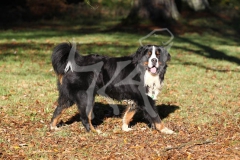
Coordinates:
60 57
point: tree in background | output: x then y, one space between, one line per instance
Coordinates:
158 10
153 9
198 5
132 11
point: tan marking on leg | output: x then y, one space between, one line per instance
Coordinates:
90 122
60 77
53 125
127 118
160 127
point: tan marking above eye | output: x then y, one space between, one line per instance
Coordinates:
149 53
157 52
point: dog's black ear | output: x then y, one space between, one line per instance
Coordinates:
165 55
168 57
139 54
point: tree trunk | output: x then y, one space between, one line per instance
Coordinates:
155 10
198 5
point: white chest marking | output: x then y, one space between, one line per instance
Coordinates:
153 83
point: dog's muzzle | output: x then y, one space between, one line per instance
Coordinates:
153 70
154 67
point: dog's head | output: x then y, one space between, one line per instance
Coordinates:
152 58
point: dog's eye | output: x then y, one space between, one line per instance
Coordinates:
149 53
157 53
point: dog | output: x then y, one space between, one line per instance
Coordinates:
137 78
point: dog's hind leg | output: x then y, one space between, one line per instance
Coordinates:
90 114
85 106
128 115
61 107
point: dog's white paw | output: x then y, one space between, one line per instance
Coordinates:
167 131
126 128
99 131
54 128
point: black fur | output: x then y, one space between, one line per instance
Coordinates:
74 86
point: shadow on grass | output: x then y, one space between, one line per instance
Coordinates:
164 111
199 65
210 52
102 111
24 51
28 51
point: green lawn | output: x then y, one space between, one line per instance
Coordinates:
200 99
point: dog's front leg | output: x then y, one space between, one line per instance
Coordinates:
128 115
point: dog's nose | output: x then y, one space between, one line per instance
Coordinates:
154 60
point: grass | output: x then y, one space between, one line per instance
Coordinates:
200 99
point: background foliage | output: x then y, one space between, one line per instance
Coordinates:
25 10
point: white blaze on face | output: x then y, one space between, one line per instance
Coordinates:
150 64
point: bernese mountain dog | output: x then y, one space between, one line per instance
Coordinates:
137 78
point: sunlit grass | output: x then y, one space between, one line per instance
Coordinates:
194 71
